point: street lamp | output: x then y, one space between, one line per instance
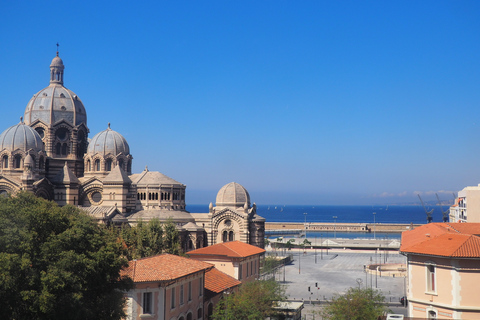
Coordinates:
305 224
374 225
335 227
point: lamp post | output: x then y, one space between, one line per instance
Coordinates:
305 224
335 227
374 225
321 246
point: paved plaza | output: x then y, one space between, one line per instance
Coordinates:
315 277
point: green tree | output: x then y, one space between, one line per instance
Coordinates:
149 239
356 304
254 300
57 263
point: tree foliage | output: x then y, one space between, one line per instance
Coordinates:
254 300
149 239
356 304
57 263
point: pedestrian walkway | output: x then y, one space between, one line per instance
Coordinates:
315 276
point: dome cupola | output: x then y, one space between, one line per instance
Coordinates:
20 136
55 103
233 195
108 142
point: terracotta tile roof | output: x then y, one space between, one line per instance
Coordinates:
235 249
459 240
163 267
217 281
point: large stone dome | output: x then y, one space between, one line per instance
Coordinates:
232 195
55 102
20 136
108 142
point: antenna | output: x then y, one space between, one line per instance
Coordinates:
428 213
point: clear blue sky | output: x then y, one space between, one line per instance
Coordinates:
302 102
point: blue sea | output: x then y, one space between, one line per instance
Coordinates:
352 214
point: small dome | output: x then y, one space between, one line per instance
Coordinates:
21 136
29 162
108 141
57 62
232 194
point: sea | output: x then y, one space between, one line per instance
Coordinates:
402 214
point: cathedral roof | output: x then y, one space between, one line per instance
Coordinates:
149 178
117 175
55 102
20 136
232 194
108 141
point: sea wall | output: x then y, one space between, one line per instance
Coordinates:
340 227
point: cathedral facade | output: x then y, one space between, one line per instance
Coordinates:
49 153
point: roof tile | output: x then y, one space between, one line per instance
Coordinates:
460 240
217 281
233 249
163 267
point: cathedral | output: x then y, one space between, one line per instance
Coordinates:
50 154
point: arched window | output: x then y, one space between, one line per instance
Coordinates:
120 164
41 163
225 236
189 316
89 165
129 166
64 149
230 236
18 161
58 148
199 313
190 244
108 165
5 162
209 311
97 165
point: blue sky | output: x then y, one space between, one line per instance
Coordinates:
301 102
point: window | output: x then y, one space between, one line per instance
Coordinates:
97 165
190 291
200 287
108 165
225 235
247 270
181 295
431 283
240 272
189 316
199 313
18 161
251 267
5 162
147 302
230 236
432 314
173 298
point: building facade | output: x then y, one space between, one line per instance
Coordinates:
170 287
50 154
467 205
443 266
237 259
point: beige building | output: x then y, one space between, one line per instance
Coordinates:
443 261
50 154
467 205
170 287
237 259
